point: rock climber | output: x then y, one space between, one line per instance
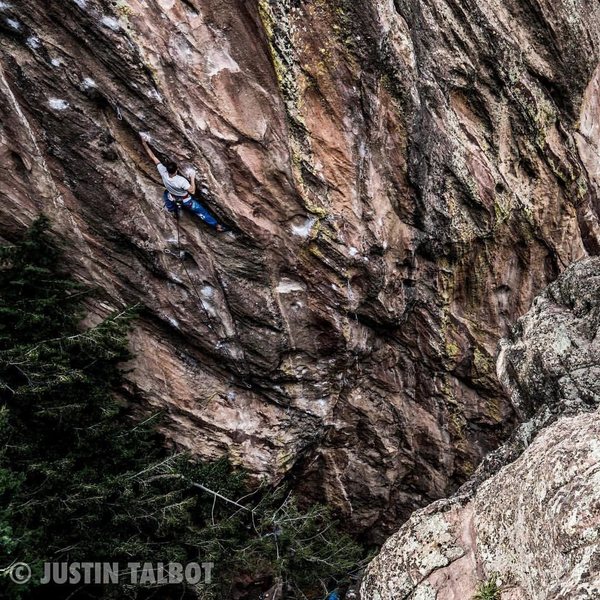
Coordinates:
180 191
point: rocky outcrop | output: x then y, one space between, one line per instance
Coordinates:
403 178
532 527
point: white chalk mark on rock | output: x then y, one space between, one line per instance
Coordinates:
13 24
111 23
304 229
288 286
58 104
219 60
33 42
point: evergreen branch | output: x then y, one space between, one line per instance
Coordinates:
217 495
89 333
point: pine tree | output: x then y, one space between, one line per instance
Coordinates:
81 481
78 479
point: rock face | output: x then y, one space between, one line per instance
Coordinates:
403 176
534 524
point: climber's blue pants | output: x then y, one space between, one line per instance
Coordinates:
191 204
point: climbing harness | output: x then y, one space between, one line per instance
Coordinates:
175 204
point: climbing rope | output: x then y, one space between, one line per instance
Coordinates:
245 373
190 280
178 206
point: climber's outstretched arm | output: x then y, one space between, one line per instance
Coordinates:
148 150
192 189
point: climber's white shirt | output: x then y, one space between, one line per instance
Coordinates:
177 185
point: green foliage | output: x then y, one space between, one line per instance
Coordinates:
80 481
302 548
489 589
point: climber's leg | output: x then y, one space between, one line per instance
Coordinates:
202 212
169 204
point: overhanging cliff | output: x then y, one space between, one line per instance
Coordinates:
403 178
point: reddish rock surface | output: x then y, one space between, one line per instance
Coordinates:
528 523
403 178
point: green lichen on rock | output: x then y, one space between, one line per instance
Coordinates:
274 15
124 10
483 362
278 23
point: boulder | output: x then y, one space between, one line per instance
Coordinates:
528 523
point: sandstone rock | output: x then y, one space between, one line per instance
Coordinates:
534 525
404 178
